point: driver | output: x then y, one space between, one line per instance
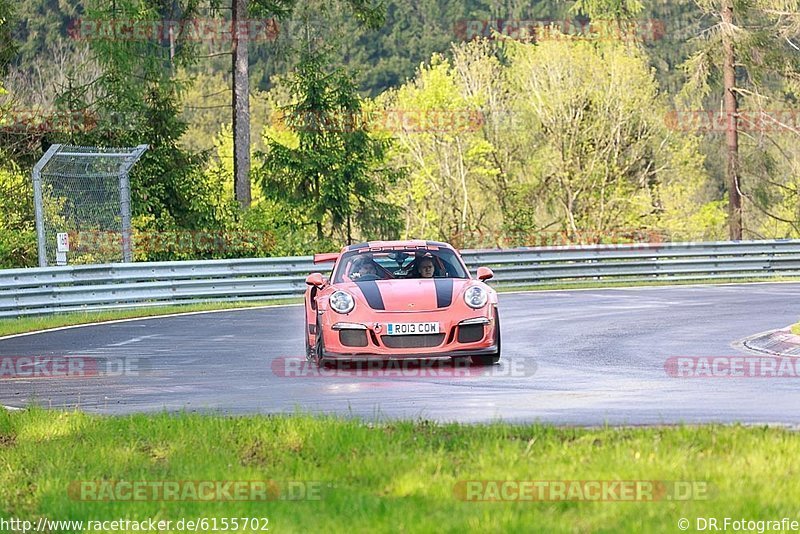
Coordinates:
365 267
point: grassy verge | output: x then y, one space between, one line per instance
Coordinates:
42 322
32 324
388 477
597 284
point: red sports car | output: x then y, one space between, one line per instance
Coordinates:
400 299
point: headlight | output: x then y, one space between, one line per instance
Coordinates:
476 297
342 302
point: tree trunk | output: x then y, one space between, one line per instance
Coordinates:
732 130
241 105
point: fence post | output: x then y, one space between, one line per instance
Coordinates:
41 243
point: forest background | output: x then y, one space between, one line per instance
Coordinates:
481 123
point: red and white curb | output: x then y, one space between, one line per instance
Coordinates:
778 342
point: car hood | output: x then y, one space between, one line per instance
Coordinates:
408 295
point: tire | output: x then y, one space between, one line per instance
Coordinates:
309 348
319 348
490 359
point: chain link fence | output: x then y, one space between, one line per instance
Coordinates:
84 192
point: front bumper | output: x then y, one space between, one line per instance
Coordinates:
411 356
349 339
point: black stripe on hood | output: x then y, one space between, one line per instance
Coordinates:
444 292
369 288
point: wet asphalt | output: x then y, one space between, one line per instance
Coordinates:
589 357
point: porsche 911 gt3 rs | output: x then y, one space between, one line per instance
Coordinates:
400 299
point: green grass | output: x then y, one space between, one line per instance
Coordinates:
390 476
42 322
796 329
598 284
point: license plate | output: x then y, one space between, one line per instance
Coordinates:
406 329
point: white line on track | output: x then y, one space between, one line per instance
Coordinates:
133 340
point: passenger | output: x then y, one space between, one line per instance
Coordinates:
425 267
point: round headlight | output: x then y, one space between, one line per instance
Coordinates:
342 302
476 297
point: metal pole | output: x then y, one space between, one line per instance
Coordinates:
125 201
38 203
125 211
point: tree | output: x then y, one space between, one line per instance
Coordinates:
241 107
447 193
333 168
745 54
364 11
136 99
598 145
241 88
8 46
617 9
568 136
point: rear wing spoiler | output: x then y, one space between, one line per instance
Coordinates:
328 257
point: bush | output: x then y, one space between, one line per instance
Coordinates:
17 222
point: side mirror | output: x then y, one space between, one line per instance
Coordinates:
315 279
484 273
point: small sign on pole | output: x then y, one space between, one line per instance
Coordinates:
63 241
62 247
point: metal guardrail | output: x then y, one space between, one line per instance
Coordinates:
128 285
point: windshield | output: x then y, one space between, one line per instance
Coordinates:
413 263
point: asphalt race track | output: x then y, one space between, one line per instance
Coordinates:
569 357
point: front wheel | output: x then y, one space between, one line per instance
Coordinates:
319 348
309 348
490 359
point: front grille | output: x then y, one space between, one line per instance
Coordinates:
470 333
413 342
353 338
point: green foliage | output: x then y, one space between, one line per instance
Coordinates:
557 137
333 170
619 9
571 139
762 36
17 232
8 46
452 168
167 184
